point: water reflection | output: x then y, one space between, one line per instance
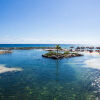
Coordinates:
57 70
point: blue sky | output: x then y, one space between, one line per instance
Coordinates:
50 21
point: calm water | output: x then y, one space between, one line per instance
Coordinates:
35 45
41 45
48 79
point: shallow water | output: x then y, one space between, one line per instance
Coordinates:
48 79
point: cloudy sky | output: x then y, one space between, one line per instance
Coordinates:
50 21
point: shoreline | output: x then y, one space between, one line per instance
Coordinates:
8 50
24 48
5 51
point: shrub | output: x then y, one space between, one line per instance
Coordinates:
50 53
66 52
75 53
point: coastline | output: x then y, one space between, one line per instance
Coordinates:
90 62
24 48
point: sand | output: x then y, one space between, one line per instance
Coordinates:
4 69
93 63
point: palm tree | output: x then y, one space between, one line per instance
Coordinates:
58 48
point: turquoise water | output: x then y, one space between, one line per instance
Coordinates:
35 45
42 45
47 79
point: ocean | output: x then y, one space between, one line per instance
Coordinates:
36 45
47 79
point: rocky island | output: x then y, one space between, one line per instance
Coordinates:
59 55
54 55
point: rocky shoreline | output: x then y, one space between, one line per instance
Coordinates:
3 52
24 48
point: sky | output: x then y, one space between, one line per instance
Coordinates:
49 21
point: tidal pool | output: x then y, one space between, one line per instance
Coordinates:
48 79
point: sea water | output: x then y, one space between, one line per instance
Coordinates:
48 79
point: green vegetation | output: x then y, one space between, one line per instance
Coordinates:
50 53
74 53
67 52
58 48
59 55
